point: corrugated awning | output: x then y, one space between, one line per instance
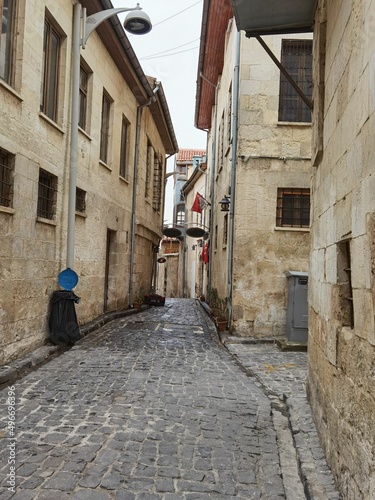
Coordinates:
271 17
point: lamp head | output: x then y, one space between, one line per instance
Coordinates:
225 203
137 22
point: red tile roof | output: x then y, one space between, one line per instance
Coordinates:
187 154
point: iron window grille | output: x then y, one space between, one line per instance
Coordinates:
157 187
149 164
104 130
6 179
47 189
124 148
297 59
80 200
51 61
225 230
293 207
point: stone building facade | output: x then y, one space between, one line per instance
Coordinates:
125 132
259 160
341 315
341 348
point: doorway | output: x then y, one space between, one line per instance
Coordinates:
109 274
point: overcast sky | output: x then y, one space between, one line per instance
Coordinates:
170 54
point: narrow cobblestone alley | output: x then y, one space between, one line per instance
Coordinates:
150 406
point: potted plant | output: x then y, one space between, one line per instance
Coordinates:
219 308
139 298
221 317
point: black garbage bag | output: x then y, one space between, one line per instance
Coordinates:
63 324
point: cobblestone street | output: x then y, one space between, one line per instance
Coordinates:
149 406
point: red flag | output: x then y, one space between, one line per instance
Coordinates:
199 204
205 253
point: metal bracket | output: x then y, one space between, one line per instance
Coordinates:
299 91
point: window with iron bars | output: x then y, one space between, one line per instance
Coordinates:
104 128
47 190
157 186
80 200
296 57
293 207
6 178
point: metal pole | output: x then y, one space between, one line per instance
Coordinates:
233 176
76 42
89 24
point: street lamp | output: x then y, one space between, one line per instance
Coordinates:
137 23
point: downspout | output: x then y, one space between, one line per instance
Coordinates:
233 177
134 195
212 182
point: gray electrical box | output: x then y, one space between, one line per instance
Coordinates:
297 311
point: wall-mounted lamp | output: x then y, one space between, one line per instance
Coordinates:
225 203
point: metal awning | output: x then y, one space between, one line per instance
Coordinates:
272 17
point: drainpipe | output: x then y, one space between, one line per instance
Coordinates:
134 196
233 176
212 182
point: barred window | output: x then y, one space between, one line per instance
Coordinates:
51 61
80 200
124 148
296 57
7 9
157 187
6 178
104 131
149 165
225 230
47 190
293 207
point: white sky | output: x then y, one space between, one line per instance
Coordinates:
178 72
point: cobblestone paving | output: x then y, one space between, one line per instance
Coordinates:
283 376
281 373
147 407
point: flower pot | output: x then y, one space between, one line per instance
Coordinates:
221 323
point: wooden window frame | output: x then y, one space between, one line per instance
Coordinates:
295 215
7 52
51 70
83 97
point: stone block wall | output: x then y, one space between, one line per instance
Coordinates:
341 288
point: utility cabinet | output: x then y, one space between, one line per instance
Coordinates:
297 309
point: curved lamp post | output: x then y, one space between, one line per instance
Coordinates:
137 23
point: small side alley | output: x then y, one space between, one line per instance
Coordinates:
154 406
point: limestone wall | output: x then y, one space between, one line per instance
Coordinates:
33 251
341 345
270 155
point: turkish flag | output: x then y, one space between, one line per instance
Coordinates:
205 253
199 204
